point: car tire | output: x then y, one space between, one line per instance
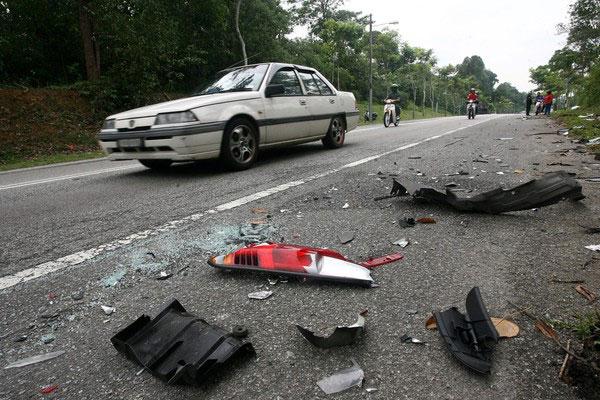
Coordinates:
336 135
156 164
239 149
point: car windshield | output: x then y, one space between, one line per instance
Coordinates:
246 79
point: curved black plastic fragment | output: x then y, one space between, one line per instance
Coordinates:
178 347
468 337
341 336
549 189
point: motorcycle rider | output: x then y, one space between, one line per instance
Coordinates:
472 96
394 97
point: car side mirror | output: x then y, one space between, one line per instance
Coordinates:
274 90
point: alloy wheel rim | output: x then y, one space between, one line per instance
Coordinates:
242 144
337 131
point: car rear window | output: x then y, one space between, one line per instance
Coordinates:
310 84
325 90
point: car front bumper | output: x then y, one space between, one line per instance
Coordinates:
182 143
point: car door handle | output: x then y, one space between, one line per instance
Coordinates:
332 101
302 102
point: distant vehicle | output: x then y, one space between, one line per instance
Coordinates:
389 114
471 109
246 109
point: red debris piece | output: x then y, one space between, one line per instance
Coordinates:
51 296
376 262
426 220
48 389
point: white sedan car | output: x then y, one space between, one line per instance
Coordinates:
247 108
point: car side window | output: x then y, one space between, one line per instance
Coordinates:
289 80
309 84
325 90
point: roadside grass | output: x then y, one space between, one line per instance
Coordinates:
405 115
17 163
581 128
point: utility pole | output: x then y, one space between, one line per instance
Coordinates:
370 66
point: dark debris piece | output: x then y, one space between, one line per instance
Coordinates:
407 222
469 336
549 189
341 336
178 347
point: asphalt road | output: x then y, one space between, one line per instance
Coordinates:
89 228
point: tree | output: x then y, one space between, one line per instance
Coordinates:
314 13
584 31
91 50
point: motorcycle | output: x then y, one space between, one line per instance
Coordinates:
389 114
471 109
539 107
366 116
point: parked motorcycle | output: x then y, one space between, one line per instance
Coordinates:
389 114
539 107
471 109
366 116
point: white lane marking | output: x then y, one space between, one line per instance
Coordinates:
71 260
65 177
408 123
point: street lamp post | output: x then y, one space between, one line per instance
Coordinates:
371 62
370 67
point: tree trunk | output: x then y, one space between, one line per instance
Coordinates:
91 49
237 28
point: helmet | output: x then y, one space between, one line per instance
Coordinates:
472 89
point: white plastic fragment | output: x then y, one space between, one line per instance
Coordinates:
402 242
34 359
593 247
346 206
108 310
262 295
342 380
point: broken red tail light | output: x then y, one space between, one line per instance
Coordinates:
284 259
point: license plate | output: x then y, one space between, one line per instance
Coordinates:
130 142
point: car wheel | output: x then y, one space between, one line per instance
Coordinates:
240 144
156 164
336 135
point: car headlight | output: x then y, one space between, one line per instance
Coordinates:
175 118
109 124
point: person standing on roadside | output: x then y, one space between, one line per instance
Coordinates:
528 102
548 99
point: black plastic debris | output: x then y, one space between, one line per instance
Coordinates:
407 222
397 190
341 336
549 189
409 339
469 336
178 347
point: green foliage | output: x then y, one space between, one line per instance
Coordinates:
148 47
573 70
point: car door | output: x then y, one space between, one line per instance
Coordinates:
322 102
286 114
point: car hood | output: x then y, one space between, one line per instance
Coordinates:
185 104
